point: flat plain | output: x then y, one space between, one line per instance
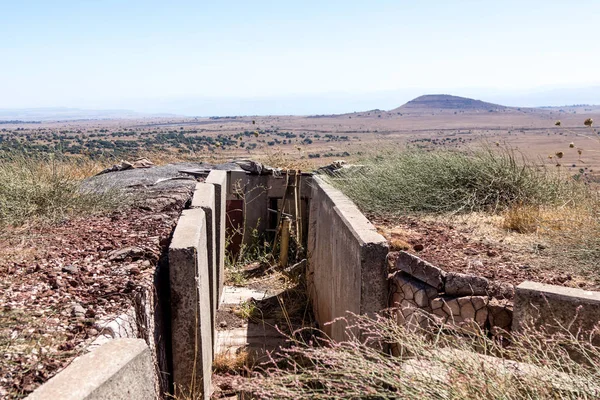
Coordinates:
428 121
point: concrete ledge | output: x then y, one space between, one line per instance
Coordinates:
191 322
347 268
120 369
219 180
548 305
204 198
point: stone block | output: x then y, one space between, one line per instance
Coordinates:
549 305
420 269
461 311
500 315
191 322
458 284
412 298
119 369
219 180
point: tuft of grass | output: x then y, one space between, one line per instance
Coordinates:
443 181
227 363
248 310
429 365
47 189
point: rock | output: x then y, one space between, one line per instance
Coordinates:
77 310
462 311
132 252
501 290
420 269
492 253
70 269
458 284
500 313
418 247
223 324
391 259
412 298
134 271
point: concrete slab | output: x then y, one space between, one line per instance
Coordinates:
120 369
255 337
347 268
191 323
204 198
548 305
238 295
219 180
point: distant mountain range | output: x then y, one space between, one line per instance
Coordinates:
425 104
69 114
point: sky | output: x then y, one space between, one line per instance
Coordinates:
280 57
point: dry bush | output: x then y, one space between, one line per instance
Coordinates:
438 365
278 159
232 363
47 189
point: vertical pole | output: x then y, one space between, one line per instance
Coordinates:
285 242
298 208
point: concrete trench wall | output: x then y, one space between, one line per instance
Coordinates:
174 320
349 269
346 260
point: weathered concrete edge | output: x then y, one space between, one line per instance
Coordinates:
373 249
191 338
219 180
121 368
540 297
362 229
561 292
204 198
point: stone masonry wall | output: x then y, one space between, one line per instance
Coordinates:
423 293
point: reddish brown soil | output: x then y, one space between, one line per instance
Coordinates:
460 249
44 272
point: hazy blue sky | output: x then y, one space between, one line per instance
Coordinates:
299 56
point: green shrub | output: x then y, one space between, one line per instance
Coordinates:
443 181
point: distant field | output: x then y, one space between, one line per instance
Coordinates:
321 139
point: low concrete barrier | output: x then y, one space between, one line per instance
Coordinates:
204 198
219 180
191 321
347 268
549 305
119 369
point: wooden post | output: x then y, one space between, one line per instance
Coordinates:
285 242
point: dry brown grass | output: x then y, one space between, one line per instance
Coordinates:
293 161
438 364
233 363
572 219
